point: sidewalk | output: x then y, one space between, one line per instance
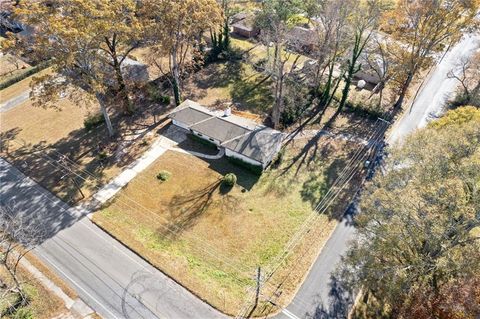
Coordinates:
77 306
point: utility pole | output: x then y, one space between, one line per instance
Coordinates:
257 292
74 182
72 179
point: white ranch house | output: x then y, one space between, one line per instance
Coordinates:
241 138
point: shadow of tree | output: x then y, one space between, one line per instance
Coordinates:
223 166
214 75
340 300
253 93
75 166
187 208
308 153
248 89
314 189
34 208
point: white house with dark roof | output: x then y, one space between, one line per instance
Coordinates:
241 138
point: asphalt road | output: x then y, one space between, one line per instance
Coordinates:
118 284
108 277
319 296
10 104
430 100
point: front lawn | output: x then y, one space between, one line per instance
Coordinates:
34 139
211 238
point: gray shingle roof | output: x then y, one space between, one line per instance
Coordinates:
257 142
190 116
220 129
261 144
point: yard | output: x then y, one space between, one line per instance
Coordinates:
43 303
220 84
34 139
211 238
11 66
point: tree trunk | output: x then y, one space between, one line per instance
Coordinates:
103 108
176 78
226 33
122 88
403 91
278 107
346 90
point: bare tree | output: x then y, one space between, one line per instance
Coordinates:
423 30
377 60
467 73
273 20
18 236
363 23
333 35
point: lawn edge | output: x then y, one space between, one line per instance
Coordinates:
156 267
273 313
305 275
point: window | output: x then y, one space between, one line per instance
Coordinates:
211 139
199 134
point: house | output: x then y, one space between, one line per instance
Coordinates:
371 70
241 138
244 25
238 17
135 71
302 39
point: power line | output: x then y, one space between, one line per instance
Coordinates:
327 200
244 271
308 249
345 176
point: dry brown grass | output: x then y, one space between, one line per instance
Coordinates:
220 84
33 139
29 132
144 55
39 125
19 87
43 304
11 65
37 263
212 239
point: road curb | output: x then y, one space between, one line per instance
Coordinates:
78 307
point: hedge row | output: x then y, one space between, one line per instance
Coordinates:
39 67
256 169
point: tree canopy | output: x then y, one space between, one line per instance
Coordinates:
419 226
421 29
86 42
174 29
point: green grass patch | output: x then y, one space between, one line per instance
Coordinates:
213 241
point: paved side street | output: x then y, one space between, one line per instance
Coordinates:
110 278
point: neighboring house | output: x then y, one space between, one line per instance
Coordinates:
135 71
371 69
241 138
238 17
243 25
302 39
